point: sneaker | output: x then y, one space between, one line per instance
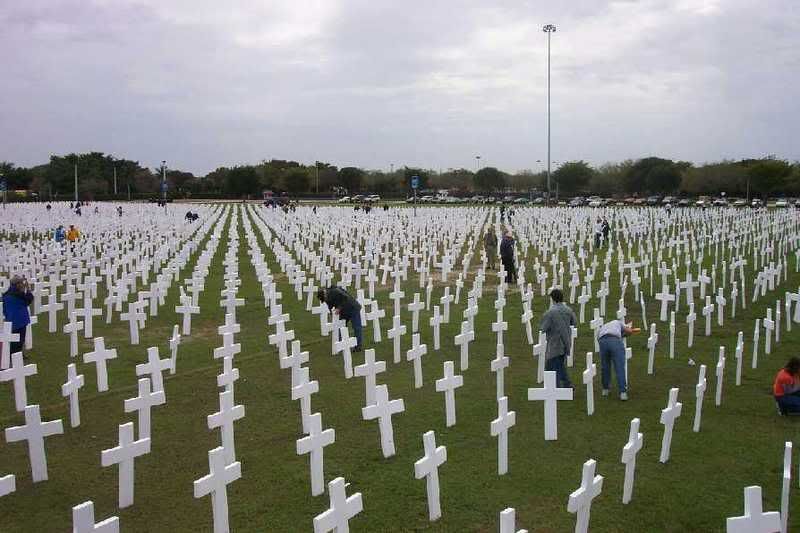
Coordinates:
605 392
623 396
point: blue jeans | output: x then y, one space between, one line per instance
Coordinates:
355 321
612 351
556 364
788 403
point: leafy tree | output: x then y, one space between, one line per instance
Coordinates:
725 176
179 180
609 178
16 177
297 179
242 181
769 175
350 178
654 174
489 179
573 176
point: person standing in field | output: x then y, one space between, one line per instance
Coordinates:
73 234
556 324
507 256
15 309
490 246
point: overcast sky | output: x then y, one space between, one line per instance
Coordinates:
206 83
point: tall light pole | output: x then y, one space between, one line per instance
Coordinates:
76 183
316 169
548 29
477 163
164 183
115 181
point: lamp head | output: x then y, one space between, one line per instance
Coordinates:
549 28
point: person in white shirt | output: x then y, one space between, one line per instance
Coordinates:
612 351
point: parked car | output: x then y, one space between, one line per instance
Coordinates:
539 200
720 202
372 198
756 203
344 199
577 201
521 201
639 201
490 200
668 200
701 203
653 200
596 202
782 203
508 199
684 202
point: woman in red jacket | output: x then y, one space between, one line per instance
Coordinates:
786 388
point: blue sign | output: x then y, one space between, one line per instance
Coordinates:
415 182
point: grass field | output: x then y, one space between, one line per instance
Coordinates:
740 444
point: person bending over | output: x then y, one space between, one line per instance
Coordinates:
612 351
786 388
346 306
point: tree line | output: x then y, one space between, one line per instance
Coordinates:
649 175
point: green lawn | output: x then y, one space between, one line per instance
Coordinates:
740 444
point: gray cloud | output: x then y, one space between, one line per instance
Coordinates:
371 83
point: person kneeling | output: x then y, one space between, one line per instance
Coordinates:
786 388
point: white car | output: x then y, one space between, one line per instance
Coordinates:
344 199
781 203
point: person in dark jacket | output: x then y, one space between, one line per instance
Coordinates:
15 309
507 256
347 307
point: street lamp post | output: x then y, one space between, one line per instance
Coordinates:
316 168
548 29
164 184
115 182
76 182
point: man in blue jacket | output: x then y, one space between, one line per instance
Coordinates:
348 308
15 309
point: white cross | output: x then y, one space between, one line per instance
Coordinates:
395 333
699 393
375 314
154 366
580 501
73 327
415 307
187 309
396 295
508 522
499 326
550 394
527 315
215 483
281 337
448 384
99 356
342 509
690 319
462 340
415 354
708 310
596 323
303 392
123 455
588 380
34 431
720 373
132 316
539 350
228 348
499 428
6 338
174 342
664 297
70 389
383 409
83 520
668 417
143 403
88 313
344 347
52 308
652 341
294 361
498 366
314 445
769 326
8 484
368 371
17 373
428 467
629 452
228 376
755 520
445 301
435 322
224 418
